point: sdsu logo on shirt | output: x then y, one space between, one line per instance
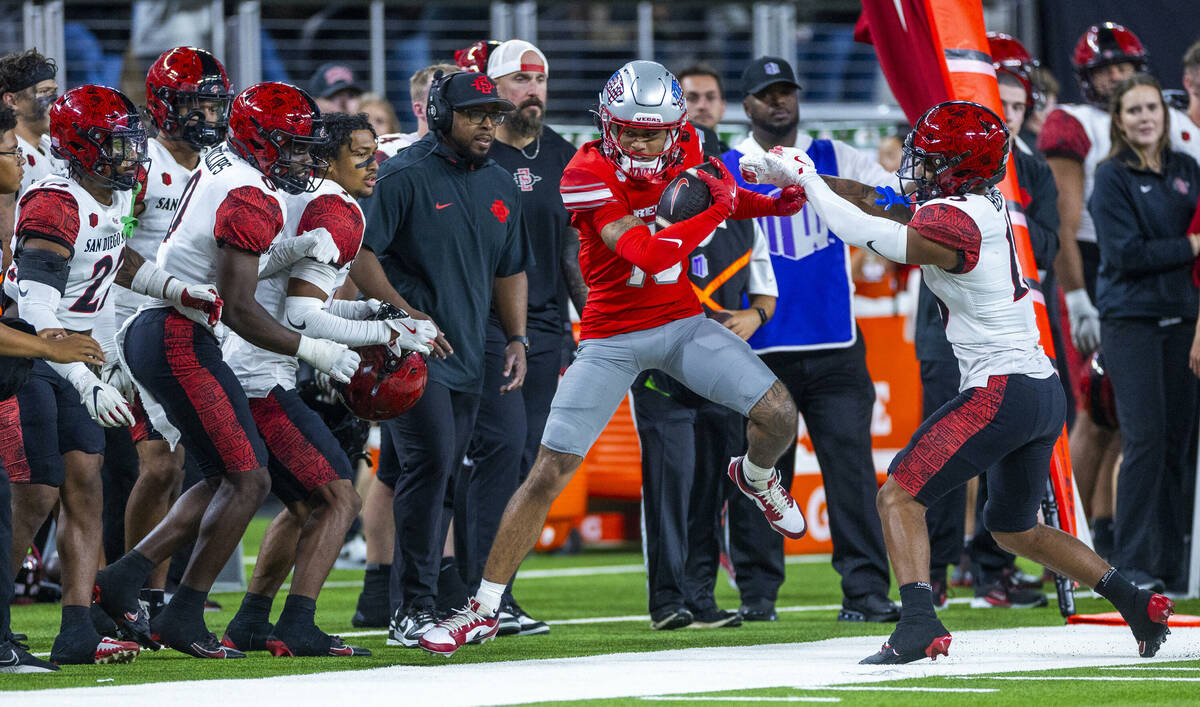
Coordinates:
525 179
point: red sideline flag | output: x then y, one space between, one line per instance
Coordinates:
908 53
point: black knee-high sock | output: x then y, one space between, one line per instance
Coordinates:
1118 590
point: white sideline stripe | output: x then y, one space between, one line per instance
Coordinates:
1094 678
887 688
1145 667
645 617
724 669
686 698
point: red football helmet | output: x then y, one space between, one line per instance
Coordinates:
273 126
99 132
475 57
180 85
385 385
1011 57
1104 45
1096 393
963 144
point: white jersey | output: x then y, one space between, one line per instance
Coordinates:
38 162
165 182
390 144
1185 135
226 202
59 210
1096 124
329 207
986 305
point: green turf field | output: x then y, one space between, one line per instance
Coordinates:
622 594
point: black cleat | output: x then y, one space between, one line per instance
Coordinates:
871 607
206 646
671 619
245 637
133 622
913 639
15 659
760 611
91 650
716 618
1149 624
371 617
315 643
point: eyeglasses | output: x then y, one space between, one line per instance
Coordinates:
16 152
476 117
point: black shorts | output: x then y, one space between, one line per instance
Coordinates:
1009 427
303 454
180 363
52 422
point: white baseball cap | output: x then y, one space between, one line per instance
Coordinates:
506 59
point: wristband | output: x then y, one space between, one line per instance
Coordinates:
524 341
762 313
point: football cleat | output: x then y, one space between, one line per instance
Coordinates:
890 656
205 646
324 646
1150 629
774 501
133 622
244 636
466 626
671 619
716 618
406 629
107 650
519 622
15 659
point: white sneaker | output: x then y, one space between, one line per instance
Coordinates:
774 501
406 629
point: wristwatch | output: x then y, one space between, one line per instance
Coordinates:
523 339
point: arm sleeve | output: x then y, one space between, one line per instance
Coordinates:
762 273
883 236
1122 241
350 309
249 219
655 252
50 214
342 219
321 275
38 303
952 227
1063 136
751 204
307 314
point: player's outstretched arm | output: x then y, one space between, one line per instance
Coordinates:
368 276
199 303
307 292
59 347
237 278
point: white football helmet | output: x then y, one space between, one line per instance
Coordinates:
644 95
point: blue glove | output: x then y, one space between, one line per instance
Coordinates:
889 198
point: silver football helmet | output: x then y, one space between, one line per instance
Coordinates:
642 95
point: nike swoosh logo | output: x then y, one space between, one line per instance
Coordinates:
11 660
676 241
1145 188
439 207
410 329
294 325
220 653
871 245
96 406
131 616
23 291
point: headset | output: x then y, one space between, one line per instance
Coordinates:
438 112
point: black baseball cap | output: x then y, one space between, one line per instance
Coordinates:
332 78
765 71
467 89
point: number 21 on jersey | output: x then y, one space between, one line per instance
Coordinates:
637 278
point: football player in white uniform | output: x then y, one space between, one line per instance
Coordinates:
70 247
309 471
1011 407
231 210
187 98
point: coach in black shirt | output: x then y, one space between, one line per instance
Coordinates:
509 426
445 222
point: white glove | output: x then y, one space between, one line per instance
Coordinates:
1085 321
199 303
783 166
114 374
412 334
317 244
104 403
329 356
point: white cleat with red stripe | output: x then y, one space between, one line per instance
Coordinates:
774 501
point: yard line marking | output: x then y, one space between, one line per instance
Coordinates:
688 698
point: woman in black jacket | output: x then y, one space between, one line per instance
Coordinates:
1143 200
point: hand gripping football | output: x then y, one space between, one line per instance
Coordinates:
686 196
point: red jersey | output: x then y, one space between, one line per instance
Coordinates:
621 297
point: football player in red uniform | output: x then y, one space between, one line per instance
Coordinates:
641 313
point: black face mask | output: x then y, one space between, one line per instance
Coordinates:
41 104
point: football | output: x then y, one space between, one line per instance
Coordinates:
684 197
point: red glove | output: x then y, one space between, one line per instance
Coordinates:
724 188
790 200
752 204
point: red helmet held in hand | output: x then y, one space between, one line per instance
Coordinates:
385 385
184 87
273 126
1104 45
956 147
99 132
